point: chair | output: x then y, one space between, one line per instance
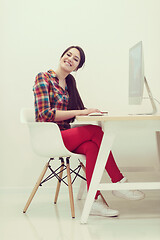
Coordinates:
46 141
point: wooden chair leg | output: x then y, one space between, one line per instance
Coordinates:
82 188
59 182
83 183
83 167
36 187
70 189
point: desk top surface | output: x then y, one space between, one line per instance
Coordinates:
117 118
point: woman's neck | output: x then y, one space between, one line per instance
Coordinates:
61 75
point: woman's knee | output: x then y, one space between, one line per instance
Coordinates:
97 134
91 147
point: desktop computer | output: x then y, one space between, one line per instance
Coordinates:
137 79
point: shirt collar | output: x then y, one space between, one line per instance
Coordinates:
53 74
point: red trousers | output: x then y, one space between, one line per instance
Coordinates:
87 140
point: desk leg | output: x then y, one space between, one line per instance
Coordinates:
104 151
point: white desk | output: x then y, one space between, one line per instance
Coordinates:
112 125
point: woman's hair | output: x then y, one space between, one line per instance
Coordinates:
82 55
75 101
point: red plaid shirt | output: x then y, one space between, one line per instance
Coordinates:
49 96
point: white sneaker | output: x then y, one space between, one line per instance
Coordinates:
99 208
128 194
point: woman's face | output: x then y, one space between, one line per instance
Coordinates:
70 60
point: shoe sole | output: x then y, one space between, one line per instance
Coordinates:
100 215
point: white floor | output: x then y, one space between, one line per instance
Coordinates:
138 220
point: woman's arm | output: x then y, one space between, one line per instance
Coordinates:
42 102
61 115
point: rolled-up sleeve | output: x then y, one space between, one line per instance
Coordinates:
43 109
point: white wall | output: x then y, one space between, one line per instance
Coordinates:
34 34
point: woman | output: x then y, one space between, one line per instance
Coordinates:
57 100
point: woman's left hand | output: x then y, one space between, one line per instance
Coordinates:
89 110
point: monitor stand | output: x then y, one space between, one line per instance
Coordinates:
154 108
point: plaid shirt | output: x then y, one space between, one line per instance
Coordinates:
49 96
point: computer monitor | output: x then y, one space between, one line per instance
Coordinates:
137 79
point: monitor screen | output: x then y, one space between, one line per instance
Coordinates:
136 74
